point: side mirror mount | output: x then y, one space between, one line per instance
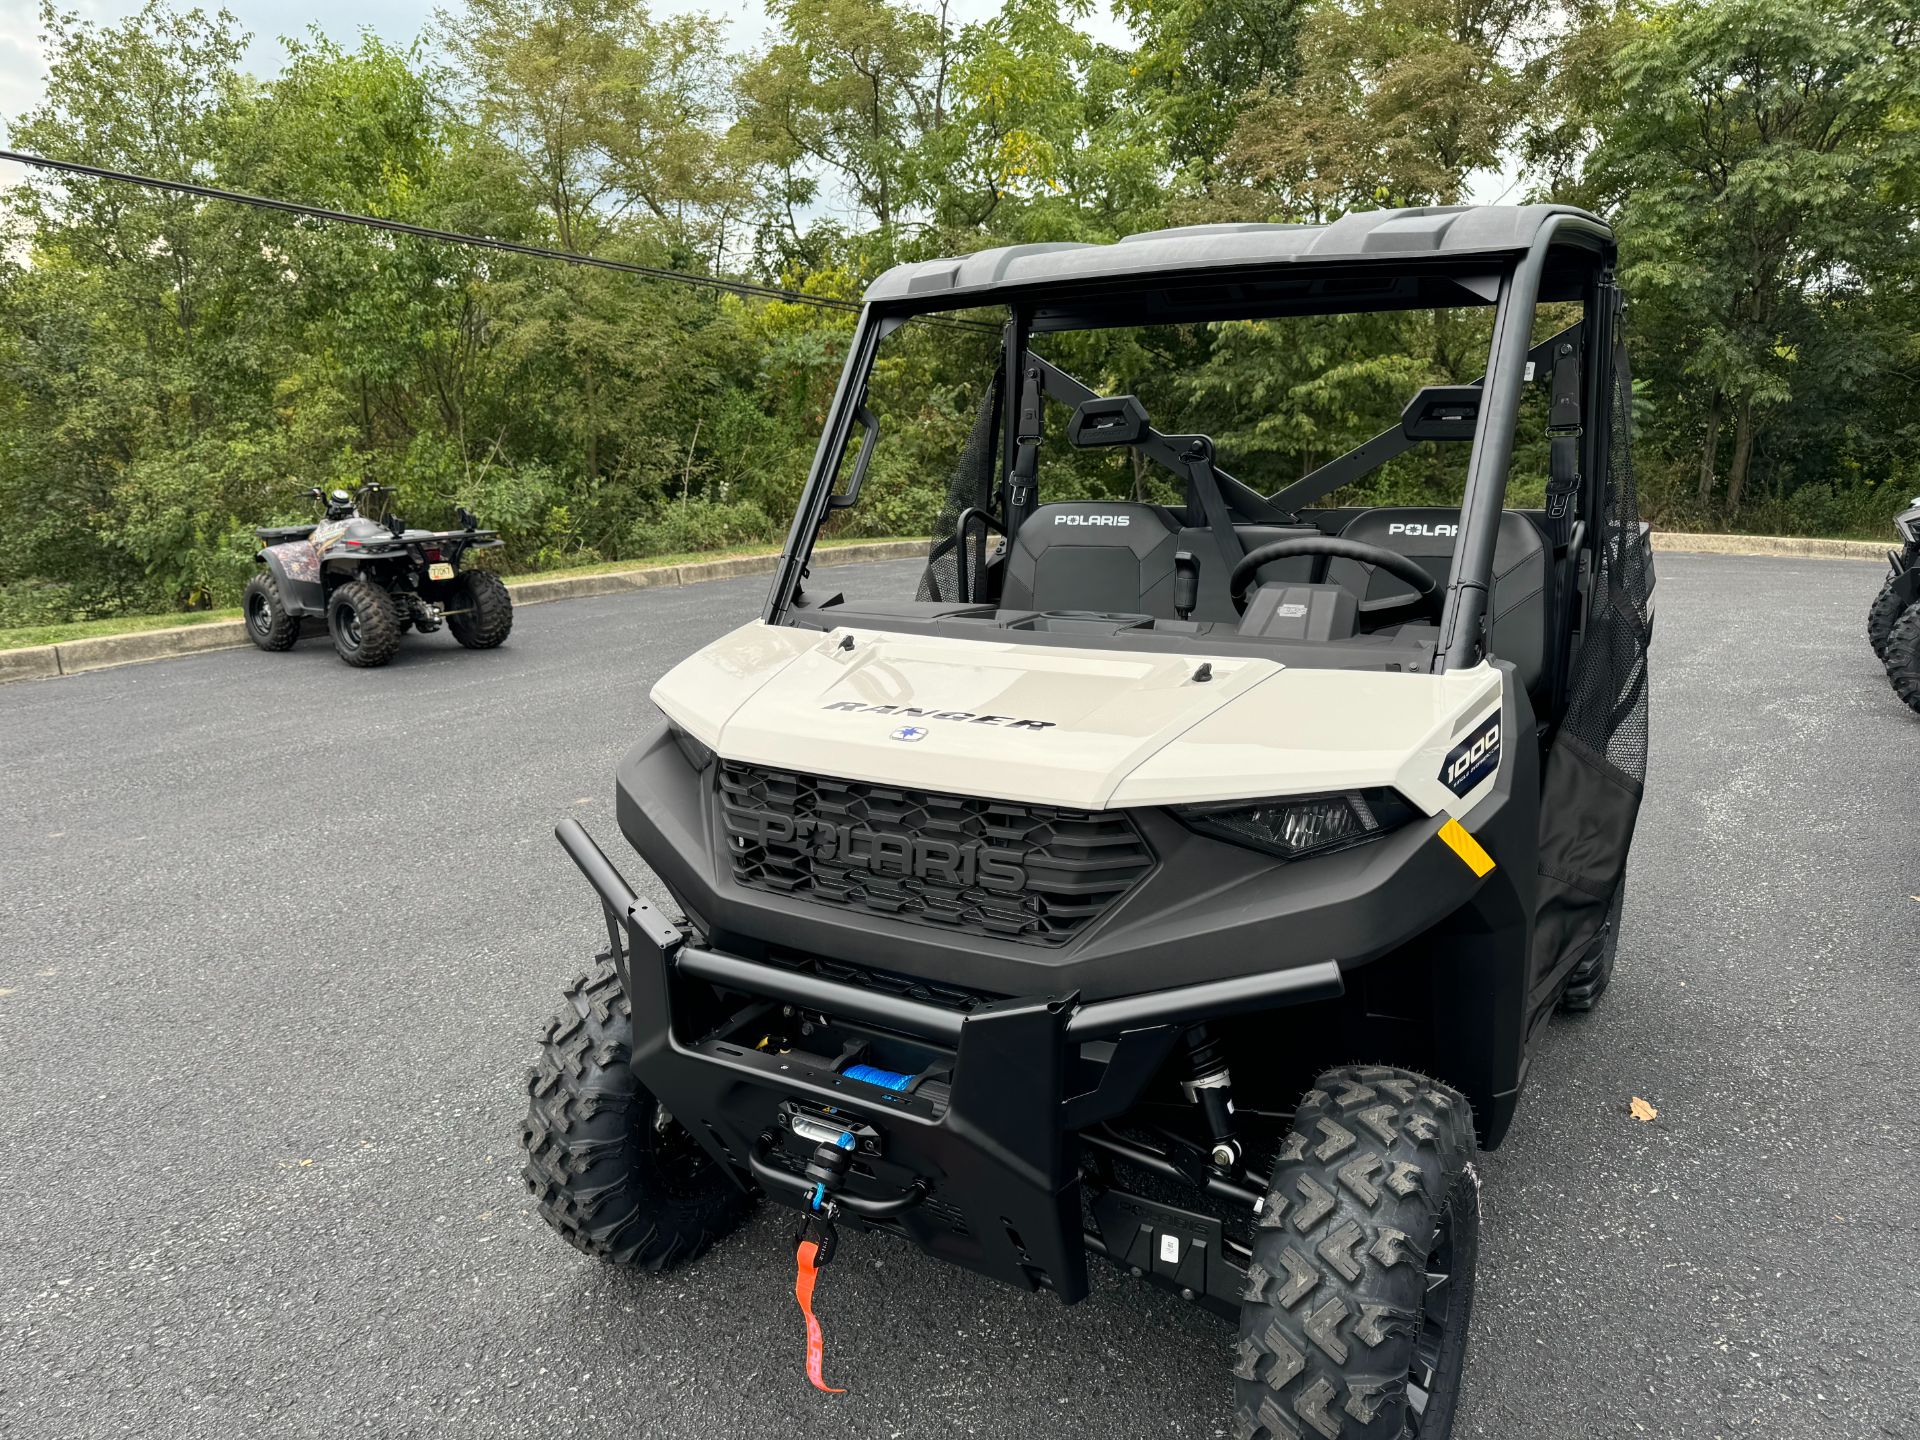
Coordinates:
1107 420
1186 583
1442 412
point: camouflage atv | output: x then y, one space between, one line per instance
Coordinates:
371 580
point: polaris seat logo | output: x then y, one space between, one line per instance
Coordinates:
1418 528
1093 519
1474 758
945 862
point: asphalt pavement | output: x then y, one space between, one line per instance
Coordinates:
277 936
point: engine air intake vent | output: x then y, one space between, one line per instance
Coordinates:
1034 873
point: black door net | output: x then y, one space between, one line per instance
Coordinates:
1597 767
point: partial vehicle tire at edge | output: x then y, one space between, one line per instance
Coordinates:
488 611
364 624
1354 1321
1882 615
611 1171
1591 976
1903 657
268 624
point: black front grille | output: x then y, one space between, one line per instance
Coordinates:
986 867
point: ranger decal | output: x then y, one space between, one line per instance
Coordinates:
925 712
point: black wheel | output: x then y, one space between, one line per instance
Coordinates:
1354 1321
1882 615
364 623
1903 656
268 624
1590 976
481 615
612 1171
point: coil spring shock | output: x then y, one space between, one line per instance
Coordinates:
1211 1088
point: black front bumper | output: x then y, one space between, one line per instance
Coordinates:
981 1172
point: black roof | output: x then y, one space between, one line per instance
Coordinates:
1433 232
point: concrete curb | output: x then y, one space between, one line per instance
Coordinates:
40 662
1683 542
104 650
35 662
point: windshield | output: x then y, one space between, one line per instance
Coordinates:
1231 480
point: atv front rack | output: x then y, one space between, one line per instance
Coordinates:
984 1171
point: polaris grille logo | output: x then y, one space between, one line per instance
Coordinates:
1420 529
1095 519
962 864
929 712
1474 758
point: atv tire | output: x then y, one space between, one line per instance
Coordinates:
268 624
1354 1321
1903 656
611 1171
364 623
1589 978
483 613
1882 616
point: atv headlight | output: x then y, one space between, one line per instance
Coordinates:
1906 523
1299 825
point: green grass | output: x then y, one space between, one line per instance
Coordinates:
133 624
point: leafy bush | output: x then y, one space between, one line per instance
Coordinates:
697 523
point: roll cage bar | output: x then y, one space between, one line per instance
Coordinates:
1576 427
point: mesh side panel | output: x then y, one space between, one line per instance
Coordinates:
970 486
1608 705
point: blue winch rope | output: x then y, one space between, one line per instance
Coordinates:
874 1075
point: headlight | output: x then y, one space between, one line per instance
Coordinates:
1301 825
1905 523
698 755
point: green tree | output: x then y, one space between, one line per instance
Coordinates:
848 89
1200 63
1393 102
1760 156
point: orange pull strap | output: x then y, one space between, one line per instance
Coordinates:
803 1292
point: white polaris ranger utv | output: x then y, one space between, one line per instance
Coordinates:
1044 912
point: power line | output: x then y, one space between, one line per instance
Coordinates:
455 237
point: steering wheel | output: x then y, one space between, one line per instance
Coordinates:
1401 567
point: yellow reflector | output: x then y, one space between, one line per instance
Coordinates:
1467 848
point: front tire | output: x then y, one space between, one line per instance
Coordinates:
482 616
1354 1322
364 623
1903 657
1883 614
268 624
618 1177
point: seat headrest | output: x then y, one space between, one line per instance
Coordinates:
1095 522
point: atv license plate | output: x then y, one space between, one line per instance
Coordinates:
440 570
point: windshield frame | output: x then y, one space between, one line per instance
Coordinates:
1514 283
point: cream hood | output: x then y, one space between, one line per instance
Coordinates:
1086 729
